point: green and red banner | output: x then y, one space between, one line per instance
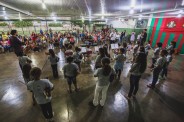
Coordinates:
166 30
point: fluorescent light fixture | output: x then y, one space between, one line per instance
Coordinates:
3 8
179 15
131 11
133 2
20 17
43 6
182 3
82 19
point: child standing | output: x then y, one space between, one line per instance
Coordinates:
23 60
103 82
26 75
71 71
165 68
157 68
132 38
69 51
41 89
156 54
118 66
53 60
77 57
137 69
99 57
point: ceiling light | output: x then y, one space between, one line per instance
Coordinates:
5 17
179 15
43 6
131 11
182 3
89 19
133 2
82 19
3 8
20 17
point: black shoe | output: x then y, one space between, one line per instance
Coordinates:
151 86
91 104
101 106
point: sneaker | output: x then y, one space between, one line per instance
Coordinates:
101 106
127 97
91 104
162 78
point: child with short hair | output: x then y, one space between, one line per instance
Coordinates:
42 92
69 51
26 75
53 60
157 68
71 71
119 62
77 57
156 54
23 60
163 74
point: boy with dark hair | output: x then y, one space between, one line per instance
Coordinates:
156 54
42 92
163 74
71 71
160 63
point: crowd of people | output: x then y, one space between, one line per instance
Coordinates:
77 46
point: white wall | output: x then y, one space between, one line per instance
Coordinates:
122 24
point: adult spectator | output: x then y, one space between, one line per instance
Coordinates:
16 43
144 37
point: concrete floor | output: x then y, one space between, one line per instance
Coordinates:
164 104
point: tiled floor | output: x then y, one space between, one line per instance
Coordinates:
164 104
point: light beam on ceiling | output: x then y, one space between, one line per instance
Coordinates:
182 3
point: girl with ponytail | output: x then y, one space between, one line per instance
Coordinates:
103 81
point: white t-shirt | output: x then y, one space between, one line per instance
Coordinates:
24 60
65 41
38 88
160 62
132 38
113 36
138 37
129 47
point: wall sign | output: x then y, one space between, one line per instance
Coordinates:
171 24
